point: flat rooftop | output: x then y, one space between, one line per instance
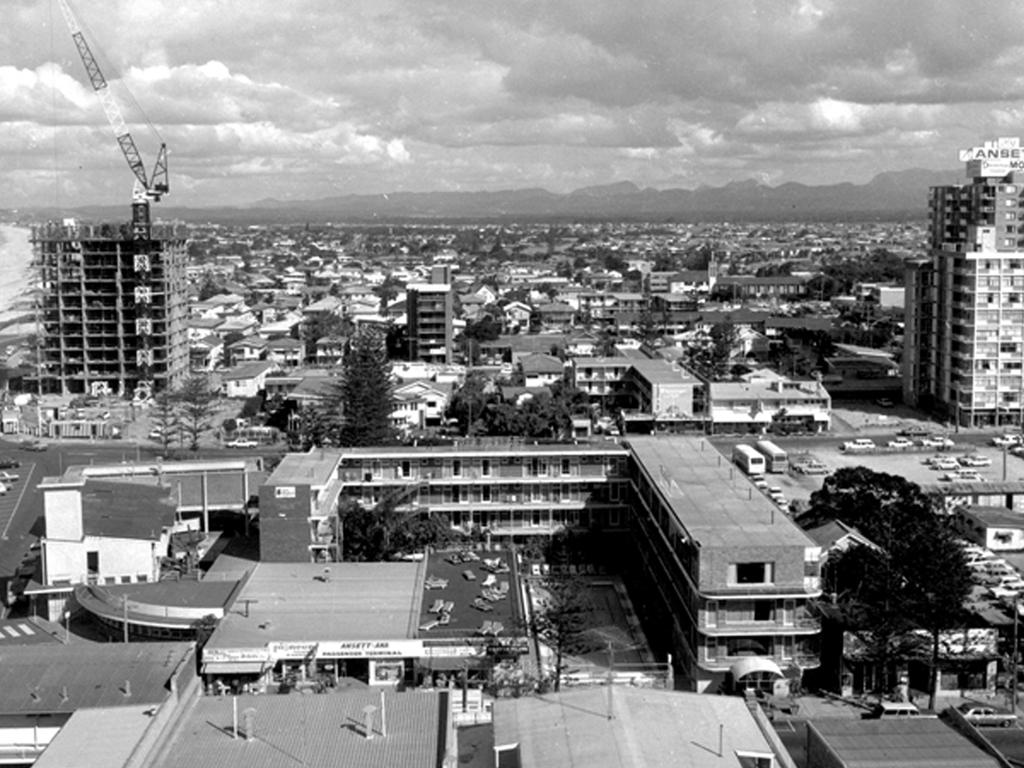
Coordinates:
294 602
712 498
76 743
650 728
326 730
315 468
488 447
63 678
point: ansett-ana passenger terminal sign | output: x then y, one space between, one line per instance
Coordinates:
994 158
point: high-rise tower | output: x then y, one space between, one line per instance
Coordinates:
964 335
111 310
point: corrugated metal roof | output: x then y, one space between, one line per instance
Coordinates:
315 730
906 743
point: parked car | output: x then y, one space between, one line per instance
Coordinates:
891 710
975 460
6 462
986 716
901 443
241 443
1006 441
944 463
3 489
7 478
860 444
937 441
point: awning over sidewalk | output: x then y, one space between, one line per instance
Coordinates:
744 667
234 667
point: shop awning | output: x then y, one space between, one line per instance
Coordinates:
234 667
453 663
744 667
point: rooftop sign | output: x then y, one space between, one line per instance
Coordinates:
994 158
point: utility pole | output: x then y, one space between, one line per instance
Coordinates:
1013 658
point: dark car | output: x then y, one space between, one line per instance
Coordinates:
6 462
914 431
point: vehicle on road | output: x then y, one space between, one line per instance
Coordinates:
914 430
6 462
33 445
900 443
859 445
986 716
811 467
241 443
885 402
976 460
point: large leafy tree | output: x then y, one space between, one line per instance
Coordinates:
365 394
914 577
563 620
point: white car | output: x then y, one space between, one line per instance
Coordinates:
975 461
1005 441
901 442
242 443
944 464
963 476
937 441
860 444
7 478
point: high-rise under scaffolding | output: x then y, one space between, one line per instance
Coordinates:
111 311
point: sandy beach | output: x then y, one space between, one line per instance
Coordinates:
16 269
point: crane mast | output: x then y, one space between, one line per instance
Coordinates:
146 187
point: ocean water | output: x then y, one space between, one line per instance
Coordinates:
15 271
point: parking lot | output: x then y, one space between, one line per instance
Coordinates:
910 463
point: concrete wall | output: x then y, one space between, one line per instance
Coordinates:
62 508
117 558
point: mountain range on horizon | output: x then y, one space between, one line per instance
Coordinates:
892 195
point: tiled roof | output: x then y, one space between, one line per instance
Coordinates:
63 678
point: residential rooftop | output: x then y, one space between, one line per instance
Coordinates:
713 499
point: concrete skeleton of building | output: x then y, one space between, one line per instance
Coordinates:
964 340
111 312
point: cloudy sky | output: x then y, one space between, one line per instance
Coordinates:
298 99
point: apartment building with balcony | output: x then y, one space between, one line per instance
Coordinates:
111 313
503 489
728 578
964 316
430 321
651 393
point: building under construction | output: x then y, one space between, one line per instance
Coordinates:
111 310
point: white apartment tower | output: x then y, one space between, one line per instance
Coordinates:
964 340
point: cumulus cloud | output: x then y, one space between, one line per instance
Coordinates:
375 95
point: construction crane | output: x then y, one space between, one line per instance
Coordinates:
146 187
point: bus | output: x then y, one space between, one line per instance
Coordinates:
748 459
775 458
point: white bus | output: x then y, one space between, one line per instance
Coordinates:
775 457
748 459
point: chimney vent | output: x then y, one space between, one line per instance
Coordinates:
368 711
126 689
